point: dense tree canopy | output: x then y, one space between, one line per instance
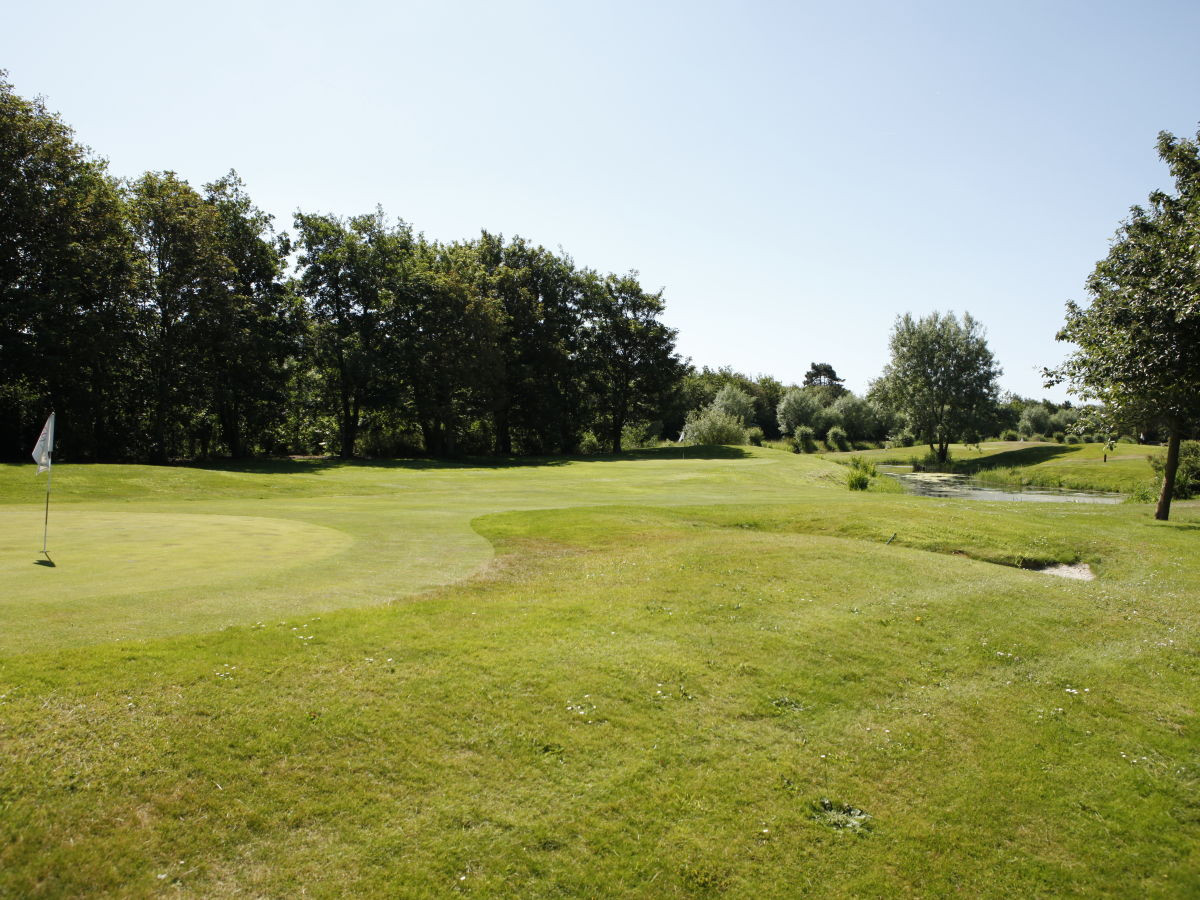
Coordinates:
1139 339
941 378
163 322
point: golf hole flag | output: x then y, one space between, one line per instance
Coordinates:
41 455
44 446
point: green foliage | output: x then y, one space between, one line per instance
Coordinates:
1058 437
856 416
590 445
837 438
902 439
857 480
804 440
1010 435
714 426
1187 474
1070 438
941 377
735 403
754 435
69 327
862 464
1139 339
796 408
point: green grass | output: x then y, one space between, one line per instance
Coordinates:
1075 466
632 678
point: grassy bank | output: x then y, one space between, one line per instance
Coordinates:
635 677
1125 469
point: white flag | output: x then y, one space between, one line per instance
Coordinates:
44 446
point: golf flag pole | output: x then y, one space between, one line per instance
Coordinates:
42 452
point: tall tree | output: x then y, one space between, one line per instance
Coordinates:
348 270
630 354
445 334
1139 340
942 377
535 394
66 317
181 276
253 327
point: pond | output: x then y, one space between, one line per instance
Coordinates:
936 484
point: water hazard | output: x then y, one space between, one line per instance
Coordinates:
937 484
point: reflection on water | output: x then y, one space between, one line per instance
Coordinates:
936 484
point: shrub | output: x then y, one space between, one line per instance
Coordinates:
735 403
837 439
804 441
1187 476
858 464
640 435
1059 437
1074 439
1010 435
797 408
857 480
754 435
713 426
589 444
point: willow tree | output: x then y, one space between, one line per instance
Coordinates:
941 378
1139 339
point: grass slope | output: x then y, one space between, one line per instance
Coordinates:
1075 466
647 698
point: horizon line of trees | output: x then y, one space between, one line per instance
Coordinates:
163 322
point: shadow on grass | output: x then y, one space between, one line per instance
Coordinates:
1010 459
317 465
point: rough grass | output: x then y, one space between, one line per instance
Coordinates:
648 698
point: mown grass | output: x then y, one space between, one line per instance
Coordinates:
647 698
1126 469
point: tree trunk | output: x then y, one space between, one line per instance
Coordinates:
349 428
503 435
1164 499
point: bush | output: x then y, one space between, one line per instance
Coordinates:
713 426
1187 476
640 435
754 435
858 464
589 444
837 439
857 480
901 439
1074 439
1059 437
804 441
1010 435
736 404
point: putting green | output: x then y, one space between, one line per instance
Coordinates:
97 554
143 551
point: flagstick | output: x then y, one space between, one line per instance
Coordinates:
46 523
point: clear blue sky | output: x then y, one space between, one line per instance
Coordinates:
794 175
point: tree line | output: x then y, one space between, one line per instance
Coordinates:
161 321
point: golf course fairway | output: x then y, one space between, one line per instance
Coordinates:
675 673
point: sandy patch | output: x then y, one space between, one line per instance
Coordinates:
1078 571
